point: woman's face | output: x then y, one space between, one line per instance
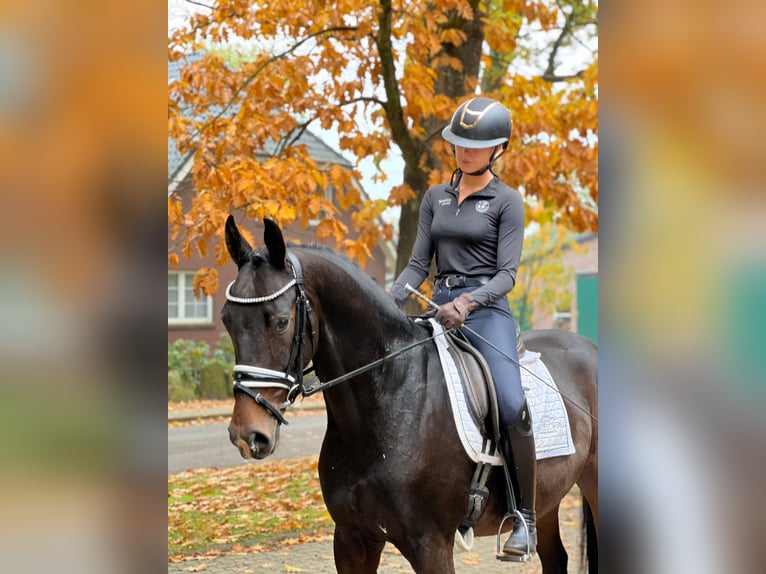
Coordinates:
470 160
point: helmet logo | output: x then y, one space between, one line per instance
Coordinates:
482 206
477 115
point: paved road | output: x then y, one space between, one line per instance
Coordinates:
207 445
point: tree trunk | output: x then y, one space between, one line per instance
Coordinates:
454 84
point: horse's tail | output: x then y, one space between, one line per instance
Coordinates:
588 540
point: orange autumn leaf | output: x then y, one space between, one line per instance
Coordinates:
205 282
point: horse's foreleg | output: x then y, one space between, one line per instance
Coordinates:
355 552
553 555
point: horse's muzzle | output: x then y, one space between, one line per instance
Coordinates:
256 444
260 445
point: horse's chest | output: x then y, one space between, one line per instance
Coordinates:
363 485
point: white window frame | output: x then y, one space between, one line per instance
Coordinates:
185 276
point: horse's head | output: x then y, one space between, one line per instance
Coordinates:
268 318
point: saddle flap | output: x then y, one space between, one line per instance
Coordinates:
476 379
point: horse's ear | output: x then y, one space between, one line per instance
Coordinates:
275 243
238 247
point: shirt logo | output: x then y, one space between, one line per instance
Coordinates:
445 201
482 206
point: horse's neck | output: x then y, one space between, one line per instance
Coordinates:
372 403
387 404
356 330
356 326
352 341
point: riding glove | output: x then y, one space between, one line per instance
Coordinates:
454 313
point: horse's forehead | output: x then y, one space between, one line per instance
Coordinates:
244 283
254 281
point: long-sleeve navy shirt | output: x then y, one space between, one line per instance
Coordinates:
481 237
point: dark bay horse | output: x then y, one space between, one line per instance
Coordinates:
391 467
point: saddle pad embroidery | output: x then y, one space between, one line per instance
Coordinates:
550 423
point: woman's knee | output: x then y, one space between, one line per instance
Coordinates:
510 397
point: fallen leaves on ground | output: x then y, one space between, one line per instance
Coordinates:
303 407
199 421
259 501
471 559
199 404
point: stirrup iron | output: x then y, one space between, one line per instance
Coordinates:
512 557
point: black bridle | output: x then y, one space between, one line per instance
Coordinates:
248 377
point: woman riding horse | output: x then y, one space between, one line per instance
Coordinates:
474 226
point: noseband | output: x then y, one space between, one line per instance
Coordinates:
247 377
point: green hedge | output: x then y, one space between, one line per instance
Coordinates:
180 389
215 381
195 371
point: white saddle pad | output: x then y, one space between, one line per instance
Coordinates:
550 423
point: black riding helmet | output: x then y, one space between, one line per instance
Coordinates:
480 123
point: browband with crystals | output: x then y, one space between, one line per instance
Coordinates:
248 300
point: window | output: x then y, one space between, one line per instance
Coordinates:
183 307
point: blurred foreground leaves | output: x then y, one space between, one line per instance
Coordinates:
681 374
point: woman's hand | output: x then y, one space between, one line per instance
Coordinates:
454 313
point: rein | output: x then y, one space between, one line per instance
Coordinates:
307 392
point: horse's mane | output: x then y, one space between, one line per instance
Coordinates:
377 294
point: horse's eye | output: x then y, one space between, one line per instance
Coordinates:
282 324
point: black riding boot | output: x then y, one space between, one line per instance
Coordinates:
522 446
